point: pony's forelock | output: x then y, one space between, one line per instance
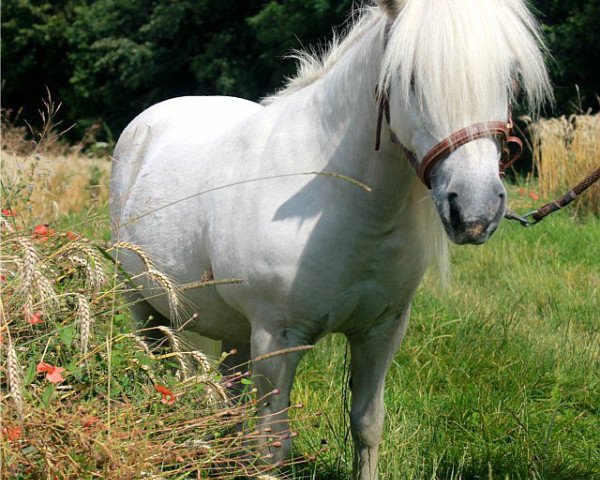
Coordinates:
460 56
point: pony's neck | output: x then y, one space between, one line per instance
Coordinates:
344 100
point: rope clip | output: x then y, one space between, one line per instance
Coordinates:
526 220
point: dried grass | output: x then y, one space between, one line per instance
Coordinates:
155 276
106 418
14 377
565 150
61 184
43 178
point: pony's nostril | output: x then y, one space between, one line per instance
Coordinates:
502 195
455 216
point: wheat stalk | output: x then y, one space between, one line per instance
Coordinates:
169 288
177 350
203 361
93 265
564 151
156 275
85 322
216 391
142 344
137 250
28 265
146 349
14 376
44 286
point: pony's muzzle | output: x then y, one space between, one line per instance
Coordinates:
471 219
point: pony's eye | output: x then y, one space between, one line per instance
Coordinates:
412 82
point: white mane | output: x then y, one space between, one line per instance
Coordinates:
459 55
317 62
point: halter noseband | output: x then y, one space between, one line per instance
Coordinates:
512 147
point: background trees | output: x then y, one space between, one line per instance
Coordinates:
109 59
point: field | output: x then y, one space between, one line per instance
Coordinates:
498 376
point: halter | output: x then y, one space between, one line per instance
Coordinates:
511 146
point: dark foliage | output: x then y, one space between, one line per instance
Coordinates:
109 59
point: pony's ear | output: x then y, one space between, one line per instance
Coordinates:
391 7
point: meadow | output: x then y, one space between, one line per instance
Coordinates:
497 378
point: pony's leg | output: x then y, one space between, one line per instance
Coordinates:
275 373
372 354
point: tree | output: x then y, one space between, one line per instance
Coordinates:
109 59
573 37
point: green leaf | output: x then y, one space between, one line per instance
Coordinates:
66 335
75 370
47 395
142 359
29 374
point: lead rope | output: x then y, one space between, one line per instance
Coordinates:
536 216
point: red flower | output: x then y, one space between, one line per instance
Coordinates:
53 374
522 191
168 397
42 232
7 212
533 195
12 433
90 422
72 235
2 279
34 319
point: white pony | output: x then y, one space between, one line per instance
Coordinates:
223 185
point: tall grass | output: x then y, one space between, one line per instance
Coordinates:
84 396
564 151
45 179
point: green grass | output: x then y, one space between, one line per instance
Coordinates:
497 377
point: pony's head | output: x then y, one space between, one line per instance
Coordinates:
450 64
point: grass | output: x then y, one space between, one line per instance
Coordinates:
86 396
497 377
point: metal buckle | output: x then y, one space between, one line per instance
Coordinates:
524 220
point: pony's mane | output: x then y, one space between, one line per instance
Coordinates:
318 61
458 55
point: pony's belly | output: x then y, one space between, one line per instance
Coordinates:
214 318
